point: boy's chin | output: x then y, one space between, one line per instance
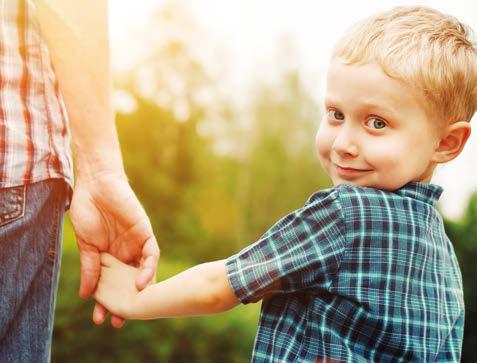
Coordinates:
361 183
340 181
382 186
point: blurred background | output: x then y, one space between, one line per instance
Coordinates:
217 105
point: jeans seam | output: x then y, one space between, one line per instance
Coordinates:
52 249
54 260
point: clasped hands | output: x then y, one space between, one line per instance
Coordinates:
107 217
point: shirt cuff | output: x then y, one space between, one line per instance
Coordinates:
237 280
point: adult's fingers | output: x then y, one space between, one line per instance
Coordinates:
148 266
107 259
144 278
90 269
150 253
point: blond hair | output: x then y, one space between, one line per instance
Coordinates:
424 48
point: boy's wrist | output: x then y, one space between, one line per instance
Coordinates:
134 309
127 309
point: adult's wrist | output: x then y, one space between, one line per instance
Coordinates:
98 176
91 163
95 144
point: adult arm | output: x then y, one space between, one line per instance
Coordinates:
105 212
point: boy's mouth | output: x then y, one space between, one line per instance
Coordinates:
346 171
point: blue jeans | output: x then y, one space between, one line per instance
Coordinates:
31 221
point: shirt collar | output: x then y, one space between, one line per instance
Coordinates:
425 192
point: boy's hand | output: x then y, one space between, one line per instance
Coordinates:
117 288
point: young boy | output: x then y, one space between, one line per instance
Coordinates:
364 271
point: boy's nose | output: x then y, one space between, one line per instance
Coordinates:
344 144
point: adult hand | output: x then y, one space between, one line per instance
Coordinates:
107 217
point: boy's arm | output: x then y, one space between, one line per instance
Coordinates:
200 290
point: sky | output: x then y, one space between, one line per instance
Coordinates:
247 33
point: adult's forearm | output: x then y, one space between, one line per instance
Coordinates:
201 290
77 36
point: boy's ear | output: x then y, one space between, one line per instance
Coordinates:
452 142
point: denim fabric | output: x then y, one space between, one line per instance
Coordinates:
31 221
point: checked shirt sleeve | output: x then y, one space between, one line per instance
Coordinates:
302 251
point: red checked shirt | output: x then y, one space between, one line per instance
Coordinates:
34 135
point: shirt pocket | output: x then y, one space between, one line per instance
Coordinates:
12 204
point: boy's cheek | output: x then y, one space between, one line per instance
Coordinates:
323 141
383 151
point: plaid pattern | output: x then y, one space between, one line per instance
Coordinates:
34 136
356 275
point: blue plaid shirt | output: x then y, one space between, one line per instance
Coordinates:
356 275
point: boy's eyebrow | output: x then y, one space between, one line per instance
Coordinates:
368 104
371 104
329 100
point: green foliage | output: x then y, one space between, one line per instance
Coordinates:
159 155
205 205
282 169
464 237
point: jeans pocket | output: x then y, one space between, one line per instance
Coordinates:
12 204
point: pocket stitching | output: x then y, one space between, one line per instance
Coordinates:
22 212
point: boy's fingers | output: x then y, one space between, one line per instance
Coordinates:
99 314
117 322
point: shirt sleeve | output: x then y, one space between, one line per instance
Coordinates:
301 251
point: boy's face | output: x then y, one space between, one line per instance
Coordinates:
375 131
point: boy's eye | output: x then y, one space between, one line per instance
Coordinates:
337 115
376 123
